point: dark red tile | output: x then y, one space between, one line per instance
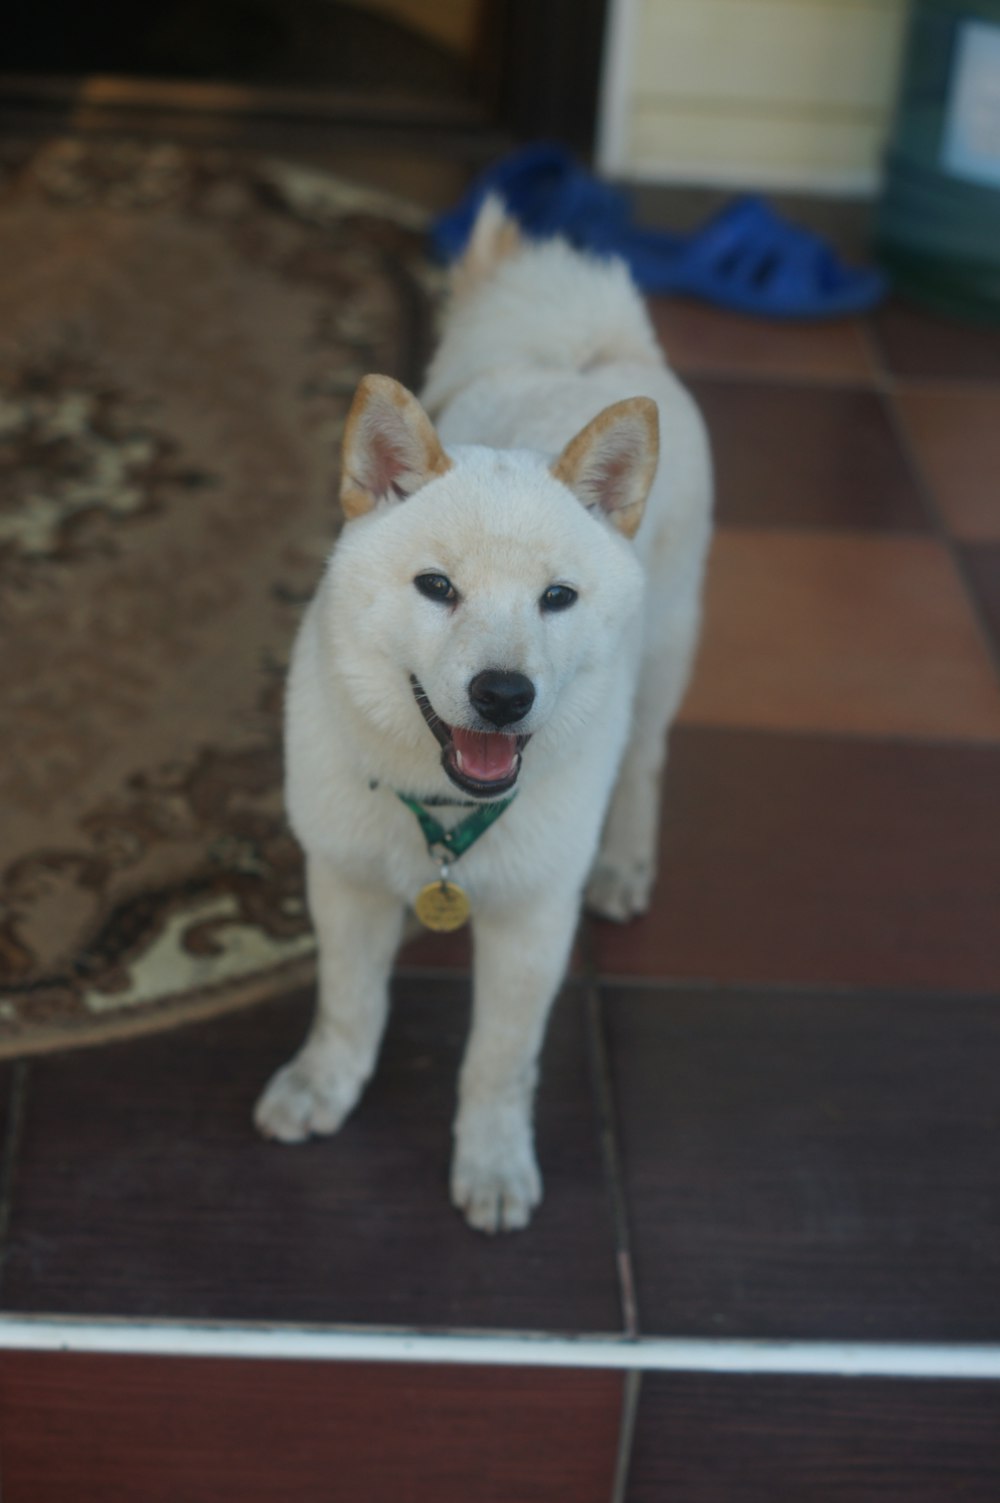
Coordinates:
698 338
423 950
100 1429
983 565
142 1188
954 431
808 1165
843 633
799 456
804 859
926 346
702 1439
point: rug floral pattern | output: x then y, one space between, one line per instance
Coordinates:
180 336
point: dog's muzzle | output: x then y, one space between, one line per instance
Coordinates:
484 764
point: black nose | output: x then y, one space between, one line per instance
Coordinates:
501 698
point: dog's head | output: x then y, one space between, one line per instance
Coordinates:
486 593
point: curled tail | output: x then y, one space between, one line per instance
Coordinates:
495 237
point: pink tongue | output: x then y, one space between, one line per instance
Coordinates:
487 757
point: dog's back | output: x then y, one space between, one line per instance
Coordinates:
537 337
536 306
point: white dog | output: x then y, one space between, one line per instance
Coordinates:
495 635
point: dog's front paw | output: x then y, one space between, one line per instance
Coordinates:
619 891
299 1101
496 1194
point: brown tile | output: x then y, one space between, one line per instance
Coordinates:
845 633
801 457
101 1429
983 566
700 339
700 1439
142 1188
800 859
955 433
926 346
810 1166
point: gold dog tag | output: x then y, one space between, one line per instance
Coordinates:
441 906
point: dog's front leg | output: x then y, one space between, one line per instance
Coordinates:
521 956
357 931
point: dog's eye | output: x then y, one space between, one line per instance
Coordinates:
558 597
437 587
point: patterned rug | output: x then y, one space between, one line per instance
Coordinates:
180 335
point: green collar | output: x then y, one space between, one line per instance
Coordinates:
465 834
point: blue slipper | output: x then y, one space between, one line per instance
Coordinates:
746 258
751 260
548 194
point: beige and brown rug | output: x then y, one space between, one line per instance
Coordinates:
180 336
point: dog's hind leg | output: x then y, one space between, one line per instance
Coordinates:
357 932
521 955
624 871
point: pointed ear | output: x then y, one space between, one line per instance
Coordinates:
390 447
611 463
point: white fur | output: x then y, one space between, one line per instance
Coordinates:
531 352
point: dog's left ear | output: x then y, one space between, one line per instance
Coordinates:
611 463
390 447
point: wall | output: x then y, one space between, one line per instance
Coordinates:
770 93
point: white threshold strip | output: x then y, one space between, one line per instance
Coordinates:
164 1338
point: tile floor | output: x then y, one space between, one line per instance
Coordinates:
769 1109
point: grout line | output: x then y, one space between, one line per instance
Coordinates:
11 1149
604 1091
942 740
798 380
626 1435
807 991
944 533
746 1357
878 357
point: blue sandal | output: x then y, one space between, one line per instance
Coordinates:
746 258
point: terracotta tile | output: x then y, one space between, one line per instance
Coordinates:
117 1429
813 860
698 338
955 433
926 346
702 1438
817 1167
860 634
788 456
142 1188
983 565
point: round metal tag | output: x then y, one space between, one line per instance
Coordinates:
441 906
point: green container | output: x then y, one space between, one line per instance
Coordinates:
938 226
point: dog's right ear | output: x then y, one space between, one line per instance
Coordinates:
390 447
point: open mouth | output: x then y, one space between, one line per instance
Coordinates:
484 764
